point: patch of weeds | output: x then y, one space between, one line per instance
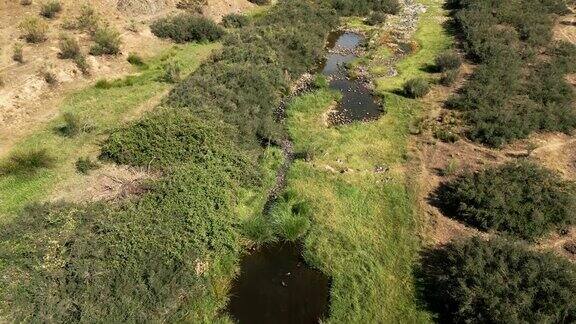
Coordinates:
84 165
34 30
73 126
50 9
449 77
172 72
26 163
107 42
136 60
69 47
18 53
88 20
416 88
49 76
451 168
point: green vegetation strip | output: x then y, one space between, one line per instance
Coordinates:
97 110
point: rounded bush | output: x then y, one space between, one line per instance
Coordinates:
520 198
448 61
376 18
235 21
416 88
187 27
476 281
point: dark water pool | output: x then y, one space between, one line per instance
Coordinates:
276 286
358 103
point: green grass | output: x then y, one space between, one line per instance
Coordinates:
365 226
432 40
103 109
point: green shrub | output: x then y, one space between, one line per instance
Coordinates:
50 9
476 281
320 82
72 125
261 2
416 88
172 72
84 165
103 84
519 198
88 20
235 21
34 30
48 75
25 2
448 61
187 28
18 53
69 47
82 64
376 18
107 41
135 59
363 7
449 77
26 162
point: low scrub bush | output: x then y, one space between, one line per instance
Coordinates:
69 47
448 61
136 60
50 9
261 2
88 20
171 73
449 77
364 7
84 165
235 21
25 2
519 198
26 162
18 53
34 30
187 28
72 125
107 41
416 88
476 281
376 18
82 64
47 73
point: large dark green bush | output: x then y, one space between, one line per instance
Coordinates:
513 92
153 259
476 281
187 27
363 7
519 198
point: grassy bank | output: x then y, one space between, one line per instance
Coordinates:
102 109
364 229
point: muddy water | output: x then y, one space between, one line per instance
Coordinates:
276 286
357 102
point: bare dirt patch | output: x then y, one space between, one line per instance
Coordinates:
109 183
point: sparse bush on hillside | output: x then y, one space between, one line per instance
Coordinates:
34 30
477 281
235 21
107 41
18 53
84 165
27 162
187 28
82 64
135 59
25 2
69 47
50 8
448 61
416 88
449 77
519 198
72 125
172 73
48 74
376 18
88 20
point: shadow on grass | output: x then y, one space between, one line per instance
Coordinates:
431 283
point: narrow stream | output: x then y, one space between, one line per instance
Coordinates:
357 102
275 284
